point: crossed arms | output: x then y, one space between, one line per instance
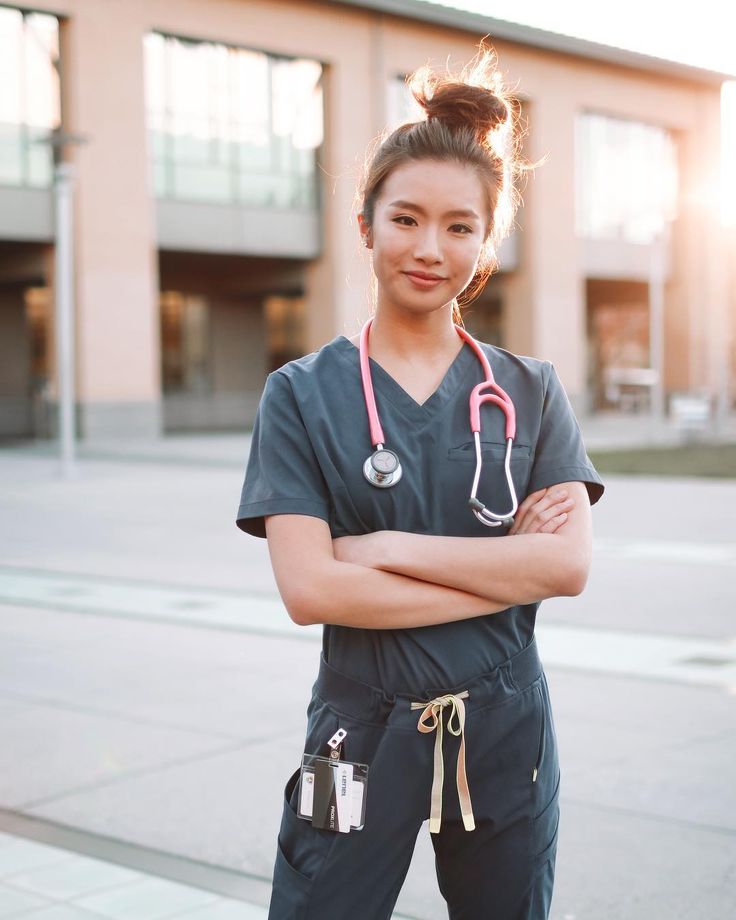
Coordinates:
396 580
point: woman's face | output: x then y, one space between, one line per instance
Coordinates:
428 228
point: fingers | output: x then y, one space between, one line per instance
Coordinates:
545 519
552 525
523 509
542 512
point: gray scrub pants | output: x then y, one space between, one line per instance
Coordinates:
501 870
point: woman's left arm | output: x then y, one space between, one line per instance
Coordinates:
520 568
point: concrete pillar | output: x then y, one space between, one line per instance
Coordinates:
716 269
117 321
550 314
518 290
337 283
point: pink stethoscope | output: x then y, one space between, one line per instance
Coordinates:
383 468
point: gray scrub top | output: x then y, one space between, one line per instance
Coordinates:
311 438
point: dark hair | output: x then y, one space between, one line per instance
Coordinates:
470 119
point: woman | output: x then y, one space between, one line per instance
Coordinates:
428 623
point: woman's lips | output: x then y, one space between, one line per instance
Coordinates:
420 282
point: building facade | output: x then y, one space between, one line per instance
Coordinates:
217 149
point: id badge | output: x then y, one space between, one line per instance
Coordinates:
332 791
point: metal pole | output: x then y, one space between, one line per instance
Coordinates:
64 316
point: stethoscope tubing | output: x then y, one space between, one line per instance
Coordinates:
498 397
377 439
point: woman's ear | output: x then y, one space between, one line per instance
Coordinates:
365 232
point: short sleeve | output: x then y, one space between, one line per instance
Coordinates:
282 475
560 454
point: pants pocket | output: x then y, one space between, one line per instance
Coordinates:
546 779
301 848
546 826
300 854
545 773
290 890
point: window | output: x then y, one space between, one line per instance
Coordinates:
285 329
626 179
29 100
185 344
232 125
401 106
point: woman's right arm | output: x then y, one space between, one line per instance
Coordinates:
316 588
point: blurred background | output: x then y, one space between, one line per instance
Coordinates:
177 184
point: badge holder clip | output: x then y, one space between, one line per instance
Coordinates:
332 791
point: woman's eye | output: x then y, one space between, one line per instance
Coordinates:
406 221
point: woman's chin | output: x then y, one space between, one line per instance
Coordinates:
418 305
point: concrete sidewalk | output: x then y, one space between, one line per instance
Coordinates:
143 763
45 882
602 431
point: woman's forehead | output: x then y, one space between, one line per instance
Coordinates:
434 185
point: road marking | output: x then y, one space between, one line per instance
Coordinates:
706 662
138 600
676 551
687 660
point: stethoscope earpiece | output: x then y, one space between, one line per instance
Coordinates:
478 508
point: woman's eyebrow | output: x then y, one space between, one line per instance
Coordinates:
460 212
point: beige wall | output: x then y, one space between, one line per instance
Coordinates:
545 309
116 285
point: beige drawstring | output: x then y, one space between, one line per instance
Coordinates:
434 709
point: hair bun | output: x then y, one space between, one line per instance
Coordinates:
461 105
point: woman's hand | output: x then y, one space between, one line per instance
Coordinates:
542 512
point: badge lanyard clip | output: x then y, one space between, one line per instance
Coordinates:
335 744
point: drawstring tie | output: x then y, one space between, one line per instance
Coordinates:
433 709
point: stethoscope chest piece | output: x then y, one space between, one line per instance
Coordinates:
382 468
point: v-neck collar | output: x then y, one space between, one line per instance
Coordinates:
385 384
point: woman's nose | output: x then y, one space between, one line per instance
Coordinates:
427 246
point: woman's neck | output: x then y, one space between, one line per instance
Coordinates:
414 340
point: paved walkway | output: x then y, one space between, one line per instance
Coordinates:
137 627
43 882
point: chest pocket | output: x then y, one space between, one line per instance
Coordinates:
489 450
492 474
